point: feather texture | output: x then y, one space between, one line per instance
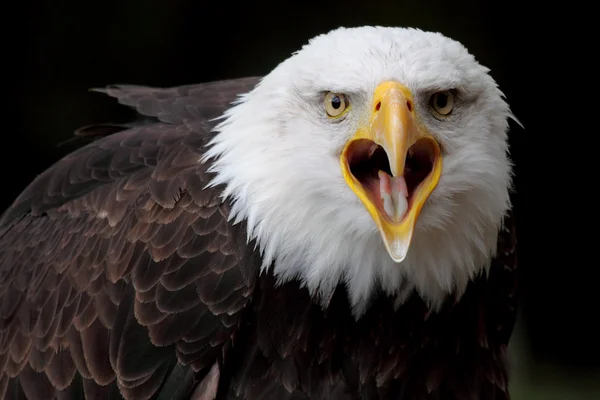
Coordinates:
460 352
116 253
121 276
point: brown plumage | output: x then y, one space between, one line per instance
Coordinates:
120 277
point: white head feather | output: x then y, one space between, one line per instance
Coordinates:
278 155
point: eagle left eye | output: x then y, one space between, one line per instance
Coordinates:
335 104
442 102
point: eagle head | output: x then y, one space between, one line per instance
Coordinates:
373 157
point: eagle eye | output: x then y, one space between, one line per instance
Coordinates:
335 104
442 102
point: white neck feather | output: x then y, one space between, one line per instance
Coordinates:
310 226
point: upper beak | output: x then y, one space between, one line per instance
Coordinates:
393 197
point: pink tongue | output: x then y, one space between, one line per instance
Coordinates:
394 195
393 184
399 185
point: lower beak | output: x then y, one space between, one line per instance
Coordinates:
392 166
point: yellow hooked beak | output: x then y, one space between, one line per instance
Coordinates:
393 166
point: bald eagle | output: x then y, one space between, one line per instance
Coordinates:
340 228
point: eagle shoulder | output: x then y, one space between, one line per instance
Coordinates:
120 271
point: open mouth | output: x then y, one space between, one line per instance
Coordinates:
392 164
392 195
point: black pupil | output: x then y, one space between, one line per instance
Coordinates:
336 102
441 100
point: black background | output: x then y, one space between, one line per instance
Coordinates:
56 50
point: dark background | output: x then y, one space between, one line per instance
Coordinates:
56 50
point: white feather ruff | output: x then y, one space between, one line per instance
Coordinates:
278 156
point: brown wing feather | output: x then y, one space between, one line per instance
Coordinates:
117 267
181 104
